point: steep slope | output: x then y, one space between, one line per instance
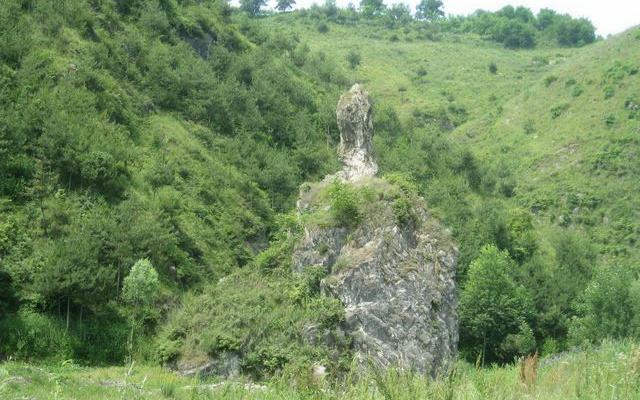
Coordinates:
146 129
572 141
413 74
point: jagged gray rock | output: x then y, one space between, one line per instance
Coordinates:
355 120
397 286
225 364
395 278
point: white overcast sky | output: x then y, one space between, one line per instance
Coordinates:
608 16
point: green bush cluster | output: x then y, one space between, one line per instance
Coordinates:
345 205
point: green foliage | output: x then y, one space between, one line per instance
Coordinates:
32 336
494 310
513 34
176 131
278 254
548 80
354 58
264 322
429 10
608 308
284 5
577 91
323 27
558 110
609 120
8 296
573 375
345 207
372 8
252 7
140 287
133 142
398 15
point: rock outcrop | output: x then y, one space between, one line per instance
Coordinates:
355 120
394 271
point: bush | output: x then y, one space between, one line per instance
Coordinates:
345 208
609 120
421 72
558 110
609 92
577 91
529 127
32 336
323 27
353 58
548 80
513 34
493 68
608 308
8 296
404 212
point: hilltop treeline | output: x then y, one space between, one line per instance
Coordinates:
515 27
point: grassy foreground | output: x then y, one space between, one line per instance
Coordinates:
611 371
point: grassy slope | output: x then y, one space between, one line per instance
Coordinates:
611 371
455 66
572 170
575 166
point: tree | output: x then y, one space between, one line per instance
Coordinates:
252 7
429 10
574 32
398 14
284 5
608 308
140 292
494 310
546 18
513 33
372 8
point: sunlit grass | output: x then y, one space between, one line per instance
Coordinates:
610 371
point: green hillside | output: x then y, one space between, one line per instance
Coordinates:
575 154
573 169
151 153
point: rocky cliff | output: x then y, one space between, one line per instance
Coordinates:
387 259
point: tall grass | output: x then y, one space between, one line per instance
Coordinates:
610 371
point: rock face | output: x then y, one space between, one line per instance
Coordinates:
355 121
395 275
397 286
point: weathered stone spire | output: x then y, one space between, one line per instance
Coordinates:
355 121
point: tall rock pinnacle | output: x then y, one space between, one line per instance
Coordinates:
355 121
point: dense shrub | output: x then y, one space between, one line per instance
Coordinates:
32 336
608 308
353 58
345 208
